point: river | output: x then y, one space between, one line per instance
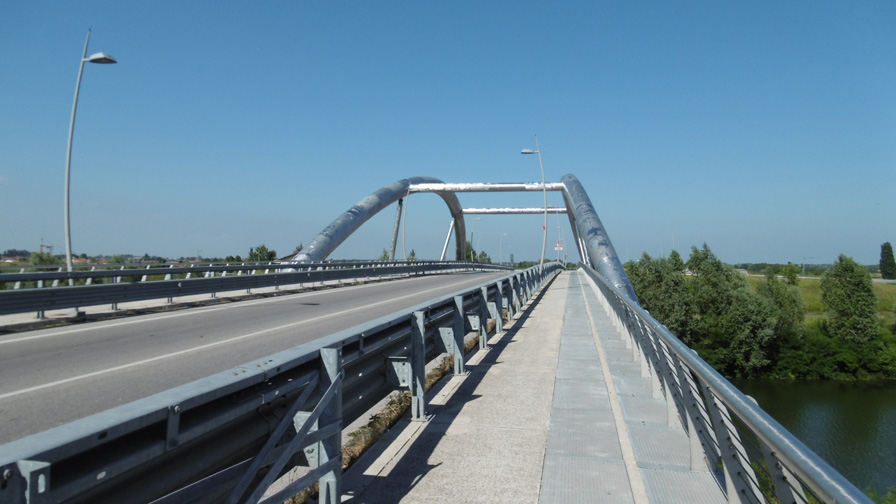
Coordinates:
851 425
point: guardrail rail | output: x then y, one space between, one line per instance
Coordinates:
53 291
226 437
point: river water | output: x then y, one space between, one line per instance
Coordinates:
851 425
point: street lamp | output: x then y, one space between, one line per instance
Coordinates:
94 58
501 249
544 188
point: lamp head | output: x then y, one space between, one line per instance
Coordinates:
528 151
100 58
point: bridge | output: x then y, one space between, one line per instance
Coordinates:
561 388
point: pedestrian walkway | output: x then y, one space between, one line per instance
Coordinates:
539 418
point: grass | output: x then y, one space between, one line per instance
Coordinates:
810 290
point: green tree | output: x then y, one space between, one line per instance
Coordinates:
791 273
848 297
470 254
41 258
385 255
412 256
791 310
261 254
661 287
733 329
887 262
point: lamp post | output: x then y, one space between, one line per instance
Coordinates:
544 188
501 249
94 58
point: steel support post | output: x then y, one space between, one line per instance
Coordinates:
447 239
330 448
395 230
499 307
418 366
699 450
737 481
460 365
643 345
787 486
483 318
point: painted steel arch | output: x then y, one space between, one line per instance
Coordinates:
601 255
591 238
333 235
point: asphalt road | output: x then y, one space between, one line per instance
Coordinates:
53 376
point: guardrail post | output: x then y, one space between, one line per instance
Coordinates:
529 276
483 318
330 448
499 307
457 330
514 301
418 366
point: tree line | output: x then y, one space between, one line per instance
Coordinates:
762 332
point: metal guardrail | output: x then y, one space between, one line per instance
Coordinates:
213 279
226 437
753 456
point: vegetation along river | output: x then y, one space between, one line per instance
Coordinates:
851 425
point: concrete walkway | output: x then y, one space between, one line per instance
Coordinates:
539 419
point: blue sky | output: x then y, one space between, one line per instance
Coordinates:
765 129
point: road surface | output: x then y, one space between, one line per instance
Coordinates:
53 376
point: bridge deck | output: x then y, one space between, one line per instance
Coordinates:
555 411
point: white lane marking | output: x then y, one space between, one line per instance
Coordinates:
197 311
203 347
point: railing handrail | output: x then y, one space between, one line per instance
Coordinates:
814 471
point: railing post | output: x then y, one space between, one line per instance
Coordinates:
787 486
702 454
738 483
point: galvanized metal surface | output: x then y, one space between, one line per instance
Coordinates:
49 298
589 234
485 187
211 427
324 243
510 211
601 254
583 458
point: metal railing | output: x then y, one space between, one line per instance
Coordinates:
52 289
754 458
225 437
